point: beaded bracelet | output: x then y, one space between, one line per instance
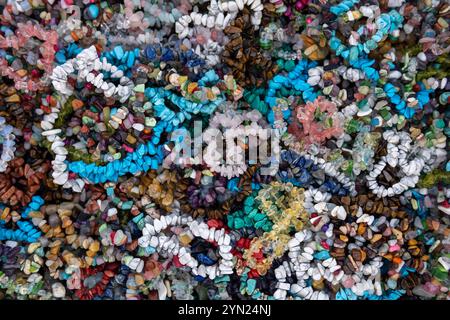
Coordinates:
220 15
355 55
232 122
86 62
273 198
400 152
161 243
319 121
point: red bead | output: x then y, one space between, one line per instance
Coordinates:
324 244
46 109
253 273
72 82
176 262
35 73
72 175
213 223
316 222
445 204
258 255
240 243
109 273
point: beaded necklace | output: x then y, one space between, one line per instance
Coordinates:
361 286
333 171
303 172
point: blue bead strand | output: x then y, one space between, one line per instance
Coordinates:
26 231
357 55
423 97
342 7
295 79
145 157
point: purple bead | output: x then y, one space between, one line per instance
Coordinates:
299 5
